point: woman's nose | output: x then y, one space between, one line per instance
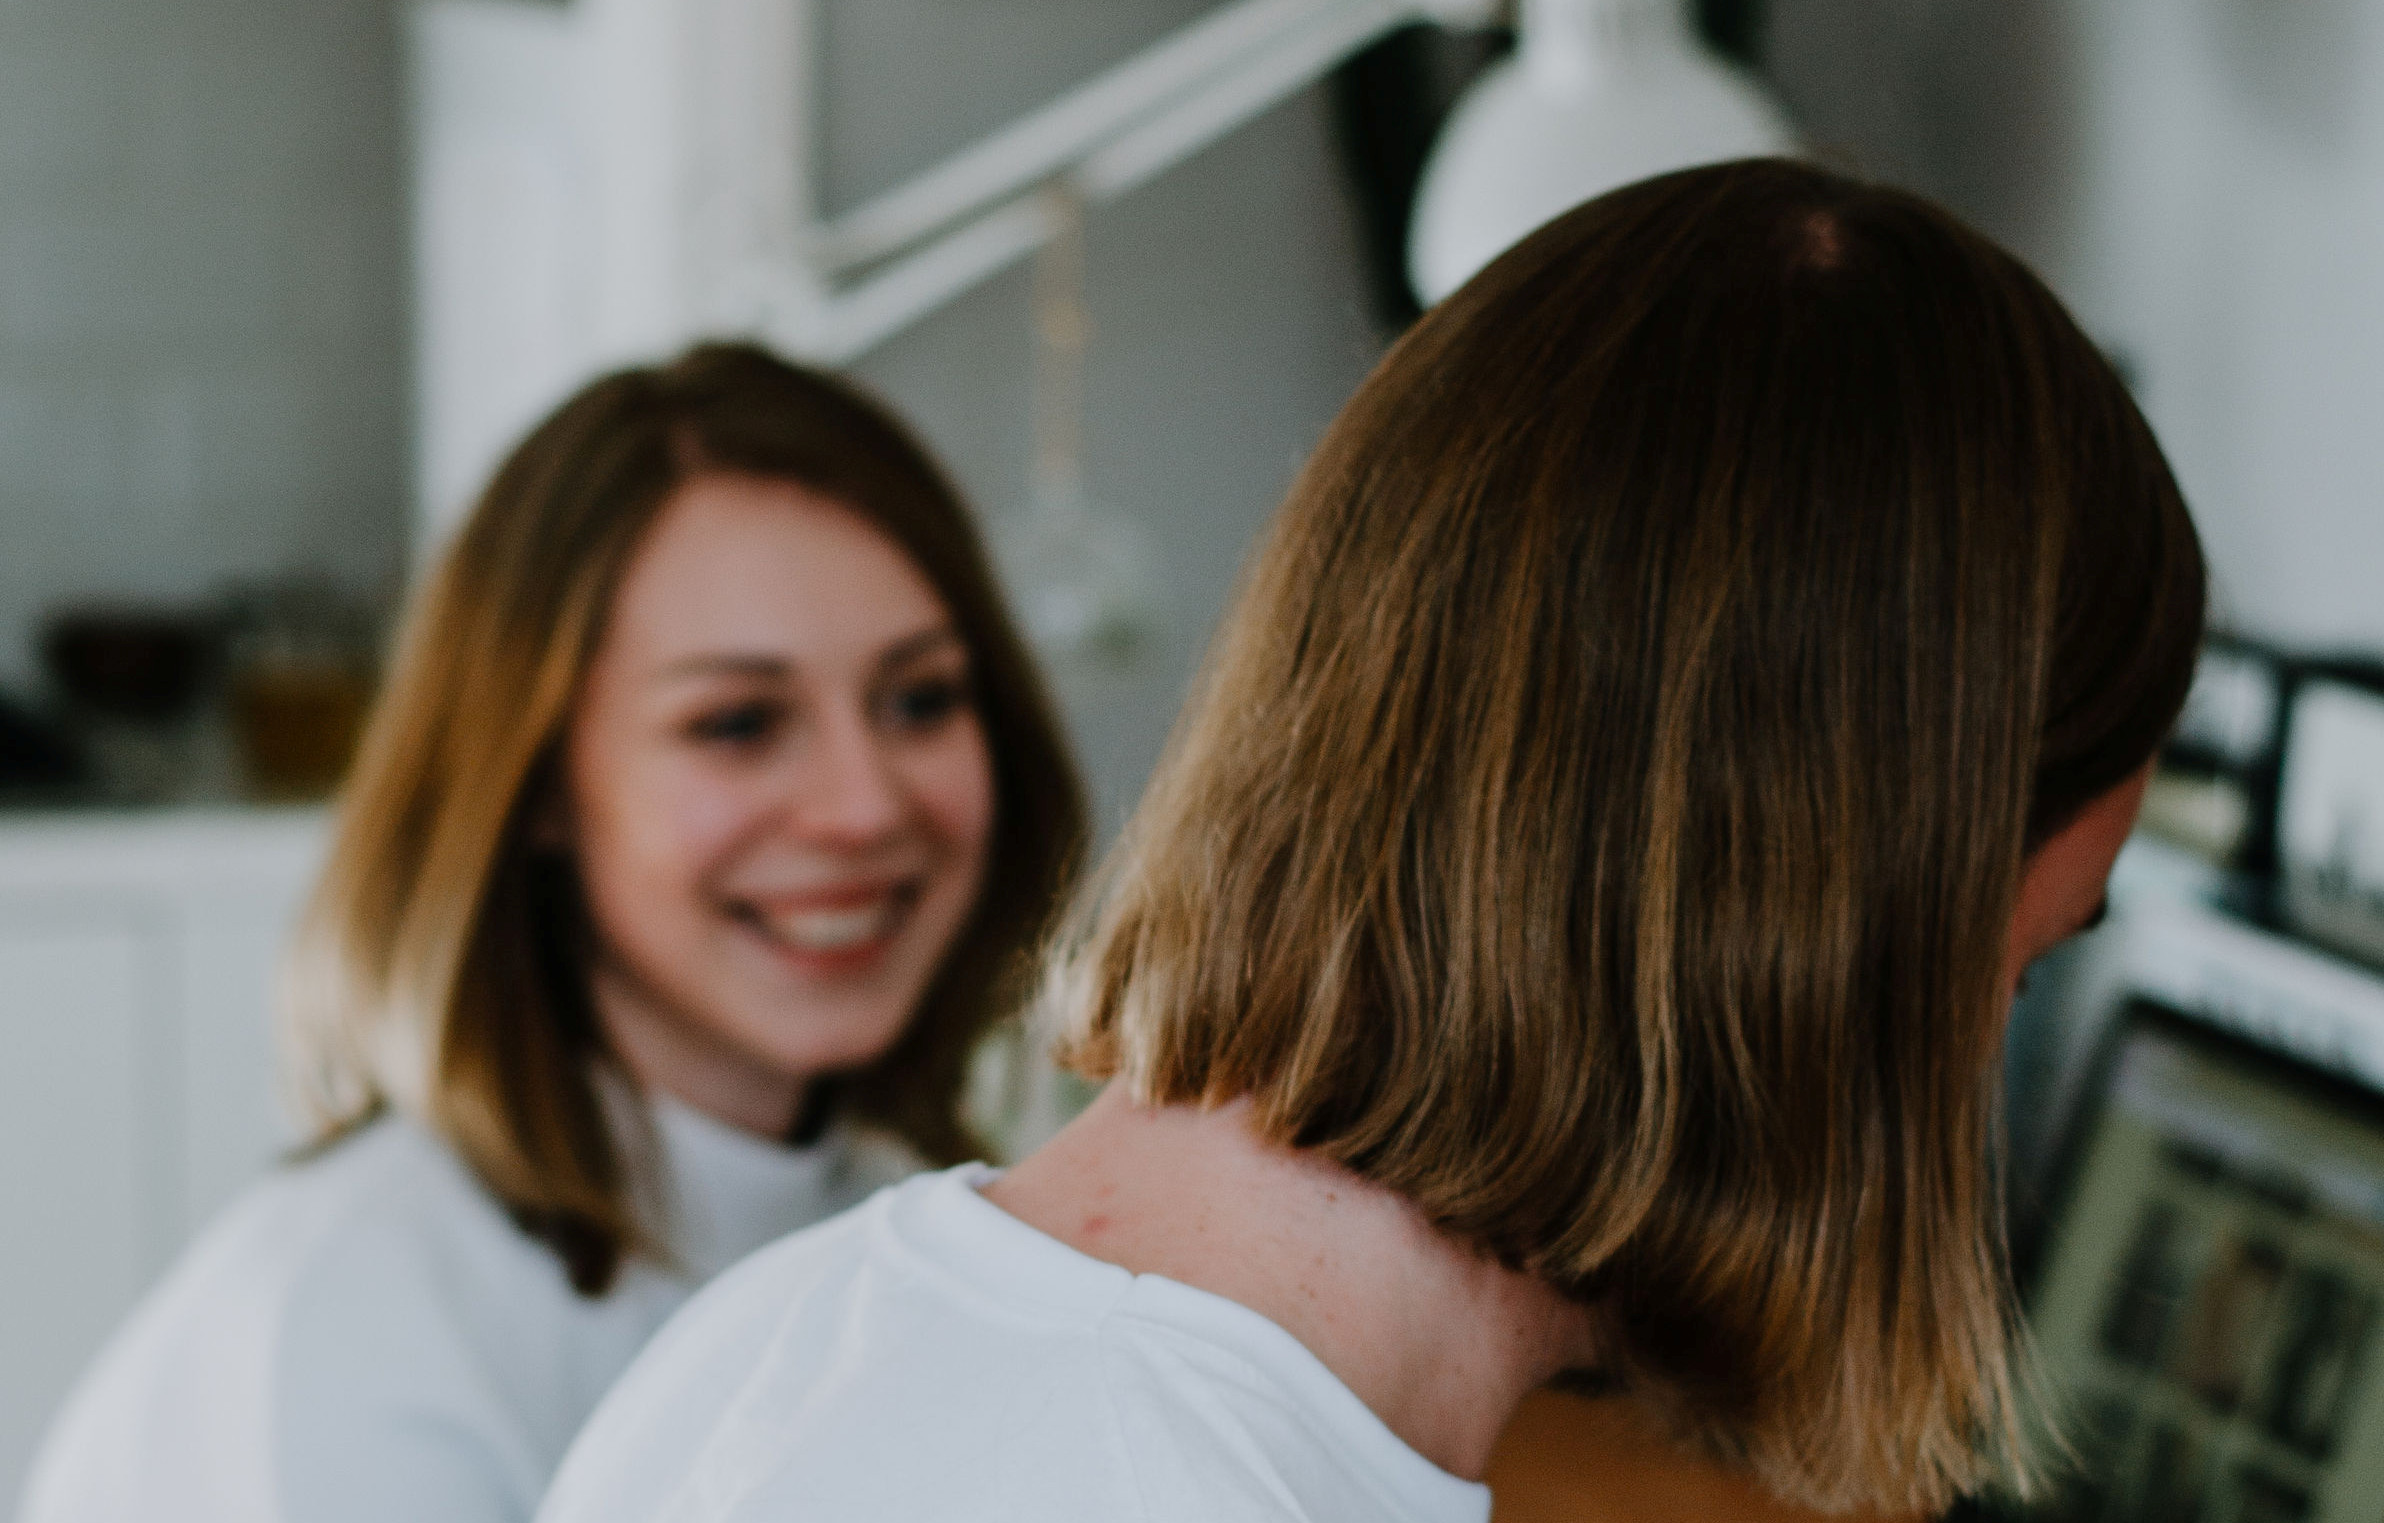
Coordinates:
848 793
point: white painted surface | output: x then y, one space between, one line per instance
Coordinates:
82 1096
593 183
499 214
2225 226
137 962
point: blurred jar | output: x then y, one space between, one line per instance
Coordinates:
298 683
129 678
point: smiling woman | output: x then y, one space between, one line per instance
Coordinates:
779 797
712 808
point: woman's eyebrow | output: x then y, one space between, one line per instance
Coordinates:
762 664
724 664
913 646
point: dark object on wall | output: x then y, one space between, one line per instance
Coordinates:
2253 730
35 757
1390 99
1734 29
2329 823
2215 793
137 663
1388 105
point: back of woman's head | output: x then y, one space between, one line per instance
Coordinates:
442 967
1604 808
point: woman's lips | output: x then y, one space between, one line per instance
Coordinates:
837 931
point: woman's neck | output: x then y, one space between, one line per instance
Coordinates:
1439 1341
670 1053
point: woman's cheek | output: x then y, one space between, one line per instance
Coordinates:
706 811
956 789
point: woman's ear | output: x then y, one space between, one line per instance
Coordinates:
2062 885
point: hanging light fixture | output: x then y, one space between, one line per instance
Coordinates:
1082 575
1597 94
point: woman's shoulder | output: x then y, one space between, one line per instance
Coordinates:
332 1283
363 1211
296 1226
923 1356
720 1372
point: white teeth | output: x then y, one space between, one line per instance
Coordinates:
832 930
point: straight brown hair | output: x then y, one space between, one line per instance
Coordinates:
1604 807
441 965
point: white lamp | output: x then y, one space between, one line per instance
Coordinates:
1598 94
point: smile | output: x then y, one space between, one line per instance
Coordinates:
834 932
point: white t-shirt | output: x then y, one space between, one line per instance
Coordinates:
366 1337
931 1359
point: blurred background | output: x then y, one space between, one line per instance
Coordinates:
279 279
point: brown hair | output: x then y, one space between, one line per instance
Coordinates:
1604 807
440 965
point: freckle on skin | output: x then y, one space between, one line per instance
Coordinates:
1096 1223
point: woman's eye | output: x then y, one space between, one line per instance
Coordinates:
738 724
925 705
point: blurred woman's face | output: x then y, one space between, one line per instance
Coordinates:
778 793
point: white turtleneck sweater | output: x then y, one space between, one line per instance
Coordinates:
366 1337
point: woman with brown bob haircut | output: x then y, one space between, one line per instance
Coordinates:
1572 930
710 816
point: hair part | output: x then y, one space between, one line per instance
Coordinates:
1602 811
441 967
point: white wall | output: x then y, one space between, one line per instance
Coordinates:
2230 239
2203 180
202 342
